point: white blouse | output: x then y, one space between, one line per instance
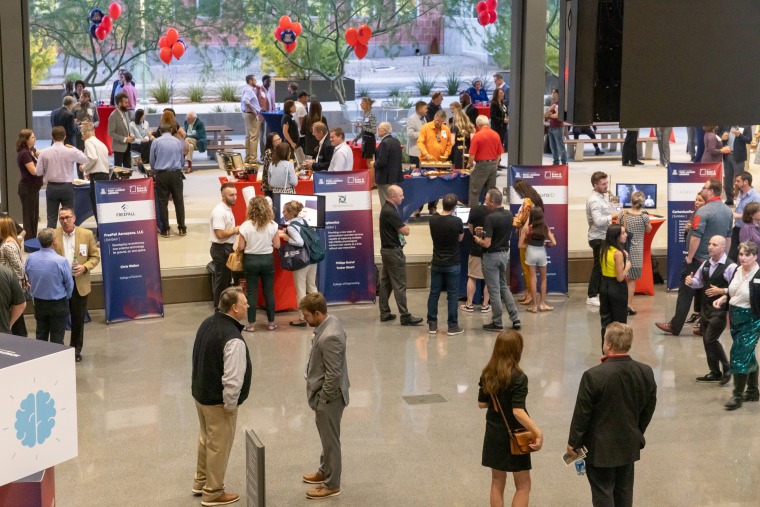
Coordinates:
258 242
738 289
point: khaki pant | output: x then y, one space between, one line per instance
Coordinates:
191 145
214 446
251 137
306 282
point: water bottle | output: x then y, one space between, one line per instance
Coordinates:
580 467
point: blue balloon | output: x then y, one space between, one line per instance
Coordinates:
180 41
96 16
288 36
93 27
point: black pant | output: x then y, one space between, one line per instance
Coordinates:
577 131
596 270
58 195
51 319
169 182
123 159
685 295
30 208
613 302
611 486
78 311
19 327
220 278
712 324
630 154
733 251
93 178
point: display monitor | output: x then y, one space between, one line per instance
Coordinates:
313 208
463 213
625 190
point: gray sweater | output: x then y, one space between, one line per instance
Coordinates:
712 219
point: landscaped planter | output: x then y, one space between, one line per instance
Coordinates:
318 89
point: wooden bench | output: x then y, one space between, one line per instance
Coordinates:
225 147
575 146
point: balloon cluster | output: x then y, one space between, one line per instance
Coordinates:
171 45
101 24
358 39
487 11
286 32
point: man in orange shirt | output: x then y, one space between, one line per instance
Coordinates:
485 152
435 144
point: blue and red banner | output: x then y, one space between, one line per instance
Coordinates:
129 249
551 184
685 181
347 274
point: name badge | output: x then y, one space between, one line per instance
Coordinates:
83 250
443 134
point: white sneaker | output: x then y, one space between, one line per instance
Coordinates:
594 301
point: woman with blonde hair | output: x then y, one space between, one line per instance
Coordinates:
636 223
504 385
305 279
10 257
258 238
461 130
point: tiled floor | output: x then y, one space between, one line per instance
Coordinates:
138 426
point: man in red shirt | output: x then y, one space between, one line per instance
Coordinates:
485 152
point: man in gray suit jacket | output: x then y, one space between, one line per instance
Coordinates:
327 391
118 130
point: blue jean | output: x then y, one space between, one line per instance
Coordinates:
557 144
495 268
444 278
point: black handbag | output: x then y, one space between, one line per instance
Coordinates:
293 258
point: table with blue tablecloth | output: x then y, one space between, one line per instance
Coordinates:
82 203
274 122
420 190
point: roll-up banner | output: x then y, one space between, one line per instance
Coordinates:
685 181
129 249
551 184
347 274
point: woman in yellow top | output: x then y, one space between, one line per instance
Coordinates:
613 292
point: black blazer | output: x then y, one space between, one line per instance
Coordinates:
324 156
388 168
62 117
740 144
615 403
471 113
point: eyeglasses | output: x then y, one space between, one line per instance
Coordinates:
66 217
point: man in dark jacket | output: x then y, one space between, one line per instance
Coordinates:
615 403
738 138
63 117
196 137
388 170
324 152
221 381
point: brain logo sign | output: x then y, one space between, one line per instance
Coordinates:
35 419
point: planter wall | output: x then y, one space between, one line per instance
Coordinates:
318 89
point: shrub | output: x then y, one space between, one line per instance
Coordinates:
161 91
228 92
425 83
152 110
73 76
394 91
363 92
453 82
195 92
218 109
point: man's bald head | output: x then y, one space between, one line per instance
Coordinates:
716 247
395 194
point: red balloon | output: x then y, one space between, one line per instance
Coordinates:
114 10
162 42
297 28
289 48
277 32
165 54
285 22
481 7
171 36
364 34
106 22
101 32
352 36
492 17
360 50
492 5
483 18
178 50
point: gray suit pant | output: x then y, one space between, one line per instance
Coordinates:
327 417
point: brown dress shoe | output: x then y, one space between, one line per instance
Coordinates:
319 493
665 326
316 478
223 499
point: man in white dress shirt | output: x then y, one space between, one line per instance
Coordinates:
96 168
343 157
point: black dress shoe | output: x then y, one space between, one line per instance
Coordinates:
709 378
78 358
734 403
748 396
638 162
631 311
388 318
726 378
598 152
411 321
692 318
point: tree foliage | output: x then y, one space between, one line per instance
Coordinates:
44 55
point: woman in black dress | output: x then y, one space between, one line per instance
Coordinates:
499 114
503 378
310 142
30 184
289 126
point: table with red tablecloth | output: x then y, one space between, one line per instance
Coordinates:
284 287
484 110
645 283
101 131
360 164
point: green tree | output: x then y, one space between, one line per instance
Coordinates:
44 54
134 34
322 50
552 37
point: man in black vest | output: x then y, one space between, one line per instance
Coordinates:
221 380
615 403
713 277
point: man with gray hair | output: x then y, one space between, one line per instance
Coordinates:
63 117
485 153
196 137
52 285
388 170
97 167
166 159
